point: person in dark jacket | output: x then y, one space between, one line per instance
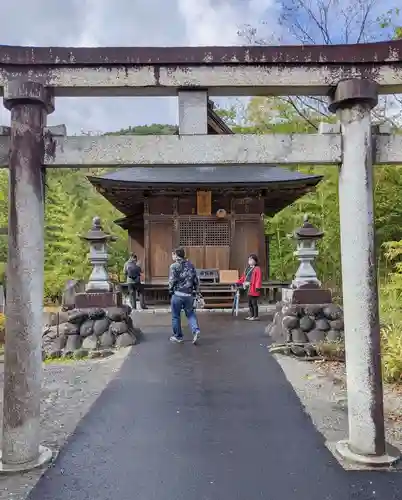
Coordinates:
183 285
132 272
251 281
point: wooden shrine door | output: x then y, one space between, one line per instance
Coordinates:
160 250
206 241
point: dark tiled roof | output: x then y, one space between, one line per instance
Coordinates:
206 175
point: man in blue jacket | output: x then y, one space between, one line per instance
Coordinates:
183 286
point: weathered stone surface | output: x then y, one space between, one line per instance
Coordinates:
51 332
104 353
56 354
94 354
96 313
87 328
298 351
316 335
137 332
333 311
81 353
117 314
91 342
268 328
322 324
91 334
69 329
310 350
58 343
334 335
313 309
54 347
107 339
55 318
125 340
298 336
73 343
290 310
61 317
118 327
276 333
336 324
101 326
290 322
306 323
76 316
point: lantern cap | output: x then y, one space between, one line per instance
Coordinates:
307 231
96 232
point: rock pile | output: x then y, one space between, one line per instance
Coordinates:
90 330
306 325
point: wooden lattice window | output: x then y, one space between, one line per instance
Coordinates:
204 233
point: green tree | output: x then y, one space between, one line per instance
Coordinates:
310 22
274 115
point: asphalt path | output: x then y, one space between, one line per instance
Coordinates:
218 421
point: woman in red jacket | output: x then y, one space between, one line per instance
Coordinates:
251 281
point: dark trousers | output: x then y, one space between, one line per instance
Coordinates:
135 289
253 306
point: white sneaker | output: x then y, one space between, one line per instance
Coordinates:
176 340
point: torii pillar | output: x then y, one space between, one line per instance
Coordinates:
353 101
29 103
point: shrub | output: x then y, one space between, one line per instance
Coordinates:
391 353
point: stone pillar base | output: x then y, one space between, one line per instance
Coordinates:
99 299
45 456
306 316
94 332
391 456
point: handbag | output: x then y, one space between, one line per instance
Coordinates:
199 302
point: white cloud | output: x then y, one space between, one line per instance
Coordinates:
217 22
123 23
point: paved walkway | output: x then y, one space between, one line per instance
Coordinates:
214 422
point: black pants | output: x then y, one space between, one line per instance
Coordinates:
253 306
135 289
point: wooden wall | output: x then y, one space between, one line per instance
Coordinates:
210 242
136 242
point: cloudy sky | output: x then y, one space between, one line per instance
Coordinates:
123 23
131 23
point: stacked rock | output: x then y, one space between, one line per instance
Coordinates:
91 330
306 324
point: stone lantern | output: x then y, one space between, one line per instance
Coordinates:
306 237
98 257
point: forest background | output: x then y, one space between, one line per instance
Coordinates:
71 202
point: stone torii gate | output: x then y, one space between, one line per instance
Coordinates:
351 76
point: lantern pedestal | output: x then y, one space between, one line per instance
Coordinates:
98 299
307 294
306 316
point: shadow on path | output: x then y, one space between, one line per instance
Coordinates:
214 422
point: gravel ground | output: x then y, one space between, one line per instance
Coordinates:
69 390
321 387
